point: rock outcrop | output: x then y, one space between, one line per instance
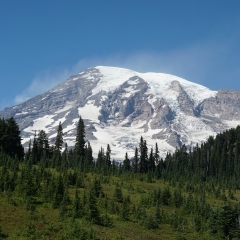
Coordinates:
119 106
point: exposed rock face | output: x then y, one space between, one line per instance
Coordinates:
186 104
225 105
162 116
119 105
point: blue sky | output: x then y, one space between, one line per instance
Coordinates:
44 42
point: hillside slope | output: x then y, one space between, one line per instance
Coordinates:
119 105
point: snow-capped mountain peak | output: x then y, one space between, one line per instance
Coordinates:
120 105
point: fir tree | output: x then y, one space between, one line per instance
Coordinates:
28 153
76 211
88 155
126 163
42 145
124 211
143 165
156 155
136 161
118 196
63 204
58 193
80 139
151 162
10 139
34 153
100 158
177 198
59 138
92 209
108 156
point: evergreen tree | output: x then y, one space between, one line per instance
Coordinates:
136 161
92 209
76 212
165 196
80 139
28 185
100 158
126 163
58 193
65 158
177 198
125 211
34 153
118 196
3 135
28 153
10 139
97 188
156 155
42 145
151 162
143 164
150 222
88 155
63 204
108 156
59 138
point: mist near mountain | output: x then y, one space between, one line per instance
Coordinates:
120 105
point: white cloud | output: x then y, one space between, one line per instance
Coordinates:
41 84
203 63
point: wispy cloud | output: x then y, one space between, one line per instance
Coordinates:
42 83
208 63
46 80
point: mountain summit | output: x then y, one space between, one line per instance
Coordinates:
120 105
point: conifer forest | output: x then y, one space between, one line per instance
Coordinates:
51 191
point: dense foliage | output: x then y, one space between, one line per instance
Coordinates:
64 193
10 140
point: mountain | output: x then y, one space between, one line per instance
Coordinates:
119 105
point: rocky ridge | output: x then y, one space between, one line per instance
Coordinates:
119 105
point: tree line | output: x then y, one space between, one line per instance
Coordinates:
210 169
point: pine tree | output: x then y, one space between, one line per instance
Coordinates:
143 165
151 162
150 222
3 135
28 153
88 155
65 158
58 193
80 139
97 188
100 158
76 212
156 155
42 145
28 185
63 204
59 138
136 161
34 153
177 198
118 196
126 163
108 156
92 209
10 140
165 196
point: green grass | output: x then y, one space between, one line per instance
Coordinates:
44 223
